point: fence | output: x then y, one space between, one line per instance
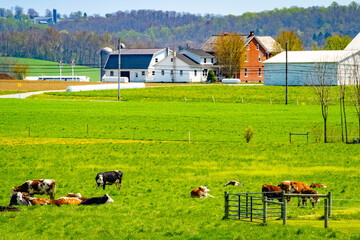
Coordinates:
256 207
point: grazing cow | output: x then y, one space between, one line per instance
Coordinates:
97 200
233 183
293 187
272 192
317 185
313 200
201 192
66 200
40 186
109 178
9 209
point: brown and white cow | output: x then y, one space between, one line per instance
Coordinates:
317 185
272 192
200 192
25 199
313 200
67 200
39 186
293 187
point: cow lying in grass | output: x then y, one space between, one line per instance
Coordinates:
39 186
25 199
97 200
201 192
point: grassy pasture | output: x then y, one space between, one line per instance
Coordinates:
148 141
48 68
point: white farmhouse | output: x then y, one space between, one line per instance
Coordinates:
304 67
137 65
190 65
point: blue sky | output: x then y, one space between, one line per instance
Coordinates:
223 7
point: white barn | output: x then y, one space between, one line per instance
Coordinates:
304 66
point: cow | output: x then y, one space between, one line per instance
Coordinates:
66 200
40 186
74 195
200 192
317 185
313 200
293 187
109 178
17 199
233 183
97 200
25 199
272 192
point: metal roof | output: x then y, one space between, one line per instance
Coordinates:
329 56
187 60
354 44
198 52
129 61
139 51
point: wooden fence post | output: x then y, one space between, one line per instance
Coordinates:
226 205
326 214
284 207
239 207
29 131
330 204
251 209
265 210
247 205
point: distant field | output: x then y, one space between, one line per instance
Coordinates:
48 68
146 135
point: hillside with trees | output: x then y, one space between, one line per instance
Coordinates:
80 37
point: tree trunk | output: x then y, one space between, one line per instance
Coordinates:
346 134
341 115
325 135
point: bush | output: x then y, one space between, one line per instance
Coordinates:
211 77
20 71
228 75
249 133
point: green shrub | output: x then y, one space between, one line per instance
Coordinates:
249 133
211 77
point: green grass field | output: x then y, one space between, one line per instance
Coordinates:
147 137
48 68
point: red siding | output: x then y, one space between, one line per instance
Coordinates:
253 65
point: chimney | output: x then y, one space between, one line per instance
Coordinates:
251 33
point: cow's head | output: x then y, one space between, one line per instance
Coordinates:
99 179
286 186
204 189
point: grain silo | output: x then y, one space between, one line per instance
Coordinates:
104 55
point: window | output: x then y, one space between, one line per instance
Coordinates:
143 73
257 46
172 72
248 47
171 59
153 73
259 57
259 72
156 60
204 60
195 73
136 75
205 72
111 73
162 72
246 57
181 72
212 60
246 73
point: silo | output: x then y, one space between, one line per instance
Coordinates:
104 55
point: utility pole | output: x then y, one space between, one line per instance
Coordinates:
119 67
286 74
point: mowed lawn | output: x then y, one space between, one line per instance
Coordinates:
71 141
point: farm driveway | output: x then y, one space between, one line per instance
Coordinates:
28 94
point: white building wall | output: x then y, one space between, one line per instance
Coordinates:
299 74
159 56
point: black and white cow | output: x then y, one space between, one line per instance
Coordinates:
38 186
109 178
97 200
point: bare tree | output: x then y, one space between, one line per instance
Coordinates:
322 81
355 81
